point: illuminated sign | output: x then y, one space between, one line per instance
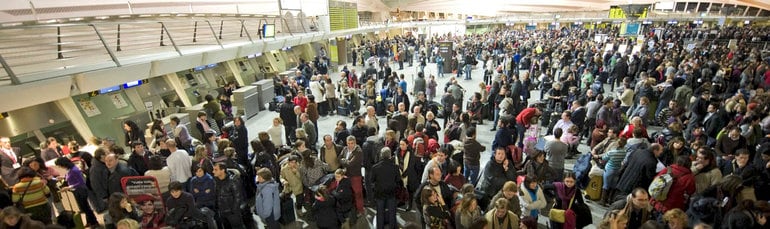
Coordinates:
618 13
268 30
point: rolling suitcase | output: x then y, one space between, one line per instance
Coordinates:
594 189
344 111
287 210
71 217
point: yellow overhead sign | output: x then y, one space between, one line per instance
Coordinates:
618 13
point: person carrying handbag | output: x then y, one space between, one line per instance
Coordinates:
569 209
31 196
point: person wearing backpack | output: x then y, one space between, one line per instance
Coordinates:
678 194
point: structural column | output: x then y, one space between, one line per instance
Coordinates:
72 112
173 80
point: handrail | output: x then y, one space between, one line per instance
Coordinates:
84 49
163 27
106 46
215 34
7 68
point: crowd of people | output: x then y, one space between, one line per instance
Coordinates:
707 166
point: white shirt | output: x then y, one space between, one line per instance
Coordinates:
179 162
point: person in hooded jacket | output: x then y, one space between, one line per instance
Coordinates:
685 185
268 204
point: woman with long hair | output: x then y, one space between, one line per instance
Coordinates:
210 143
201 159
673 149
408 166
467 212
435 215
119 207
133 133
570 198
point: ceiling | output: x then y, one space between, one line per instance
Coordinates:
502 7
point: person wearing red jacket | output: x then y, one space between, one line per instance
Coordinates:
684 185
523 120
301 100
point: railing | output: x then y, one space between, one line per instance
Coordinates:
35 49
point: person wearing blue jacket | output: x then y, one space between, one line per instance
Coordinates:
202 189
268 205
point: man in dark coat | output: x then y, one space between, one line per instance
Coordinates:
115 172
229 200
371 149
619 72
639 169
496 173
139 158
286 112
385 179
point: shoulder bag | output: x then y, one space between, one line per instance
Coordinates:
558 215
20 204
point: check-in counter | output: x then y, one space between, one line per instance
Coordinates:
184 119
246 99
266 92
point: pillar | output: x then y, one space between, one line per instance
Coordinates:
173 80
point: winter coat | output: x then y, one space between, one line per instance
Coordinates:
639 171
228 195
385 178
494 176
267 201
325 212
528 204
677 195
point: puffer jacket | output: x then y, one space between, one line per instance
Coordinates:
228 194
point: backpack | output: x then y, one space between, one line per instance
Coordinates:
419 146
661 185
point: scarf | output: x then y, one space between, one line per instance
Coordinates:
205 125
564 193
496 222
533 195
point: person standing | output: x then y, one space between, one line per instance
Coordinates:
10 160
179 162
268 204
77 184
352 162
385 178
228 198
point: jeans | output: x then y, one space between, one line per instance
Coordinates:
468 71
610 178
471 172
440 69
497 116
386 212
520 129
357 183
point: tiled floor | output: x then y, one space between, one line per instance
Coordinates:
326 125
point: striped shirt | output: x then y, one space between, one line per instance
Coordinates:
614 159
36 195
